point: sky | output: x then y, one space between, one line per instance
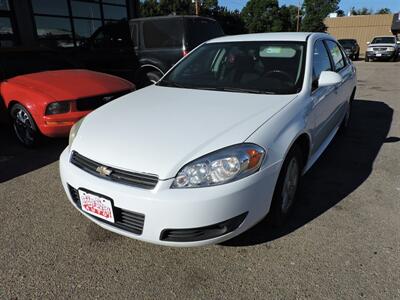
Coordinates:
345 5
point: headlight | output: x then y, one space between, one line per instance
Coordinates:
222 166
58 108
370 49
390 48
74 131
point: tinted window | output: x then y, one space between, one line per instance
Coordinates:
4 5
163 33
321 60
112 36
123 2
54 32
201 30
85 9
347 43
384 40
115 12
25 63
7 38
252 67
84 28
339 60
51 7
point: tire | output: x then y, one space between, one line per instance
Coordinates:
394 58
366 58
24 126
287 187
357 56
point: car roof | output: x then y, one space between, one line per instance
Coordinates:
380 36
275 36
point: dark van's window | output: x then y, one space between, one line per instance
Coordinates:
201 30
163 33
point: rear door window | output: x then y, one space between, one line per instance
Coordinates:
163 33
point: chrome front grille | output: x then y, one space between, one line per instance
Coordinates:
141 180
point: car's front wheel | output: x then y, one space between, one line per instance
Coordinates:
24 126
287 186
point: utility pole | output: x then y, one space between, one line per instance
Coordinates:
197 7
298 16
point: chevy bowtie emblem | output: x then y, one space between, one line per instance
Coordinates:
103 171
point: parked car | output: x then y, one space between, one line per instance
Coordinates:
143 50
383 47
217 144
46 94
351 48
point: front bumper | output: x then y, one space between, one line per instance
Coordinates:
382 54
60 125
171 209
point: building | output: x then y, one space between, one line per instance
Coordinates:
58 23
361 28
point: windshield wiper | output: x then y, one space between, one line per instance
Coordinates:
170 83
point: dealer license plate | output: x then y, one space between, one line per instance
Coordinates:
96 206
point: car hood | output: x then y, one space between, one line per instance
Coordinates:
158 130
71 84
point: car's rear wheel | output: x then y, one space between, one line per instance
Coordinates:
24 126
287 186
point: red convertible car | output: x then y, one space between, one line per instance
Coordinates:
52 93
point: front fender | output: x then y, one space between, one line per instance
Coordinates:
279 133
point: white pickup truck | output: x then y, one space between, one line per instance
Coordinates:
383 48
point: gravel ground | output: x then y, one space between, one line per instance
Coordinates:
342 241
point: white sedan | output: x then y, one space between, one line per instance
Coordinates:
219 143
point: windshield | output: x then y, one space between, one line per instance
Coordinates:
253 67
20 63
347 43
384 40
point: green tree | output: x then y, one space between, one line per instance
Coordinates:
315 13
176 7
288 16
149 8
262 16
384 11
360 11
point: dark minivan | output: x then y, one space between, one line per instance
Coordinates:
143 49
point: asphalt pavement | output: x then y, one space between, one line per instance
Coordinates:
342 242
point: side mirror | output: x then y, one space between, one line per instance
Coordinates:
368 43
328 78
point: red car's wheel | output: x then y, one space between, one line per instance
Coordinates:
24 126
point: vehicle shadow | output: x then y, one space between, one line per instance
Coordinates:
16 160
344 166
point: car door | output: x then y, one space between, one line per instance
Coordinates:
344 89
323 98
